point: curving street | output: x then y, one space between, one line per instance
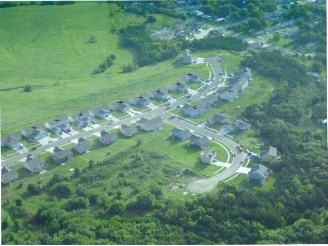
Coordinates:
203 185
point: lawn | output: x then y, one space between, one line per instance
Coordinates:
177 94
140 108
194 85
28 143
5 151
99 121
52 134
119 115
52 54
283 42
77 128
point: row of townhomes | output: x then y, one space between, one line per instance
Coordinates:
61 155
84 118
238 83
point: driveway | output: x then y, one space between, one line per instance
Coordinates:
46 140
224 131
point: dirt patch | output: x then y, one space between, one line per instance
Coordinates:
4 193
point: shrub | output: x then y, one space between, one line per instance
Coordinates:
28 88
151 19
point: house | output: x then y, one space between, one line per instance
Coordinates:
201 142
259 173
122 107
61 155
34 133
218 118
179 87
82 146
182 134
144 101
12 141
149 95
268 153
208 156
239 125
220 20
162 93
81 120
59 125
323 123
245 72
241 84
33 164
194 78
209 100
150 124
101 112
128 131
8 175
186 56
107 137
229 95
193 112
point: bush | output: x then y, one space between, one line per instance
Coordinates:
92 40
33 189
105 65
129 68
28 88
151 19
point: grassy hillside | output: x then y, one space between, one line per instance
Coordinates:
47 47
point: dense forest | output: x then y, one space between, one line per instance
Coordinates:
87 208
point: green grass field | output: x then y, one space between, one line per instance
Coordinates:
51 53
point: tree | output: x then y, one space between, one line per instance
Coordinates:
19 201
254 23
92 40
151 19
28 88
77 172
33 189
319 111
317 67
91 164
276 37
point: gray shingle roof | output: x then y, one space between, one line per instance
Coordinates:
34 162
258 168
14 135
272 151
9 175
83 143
210 98
219 117
62 154
209 153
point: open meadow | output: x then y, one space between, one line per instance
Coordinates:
50 49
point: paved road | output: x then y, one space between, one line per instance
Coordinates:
204 185
198 186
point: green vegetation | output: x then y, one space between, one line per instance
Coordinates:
134 191
5 151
